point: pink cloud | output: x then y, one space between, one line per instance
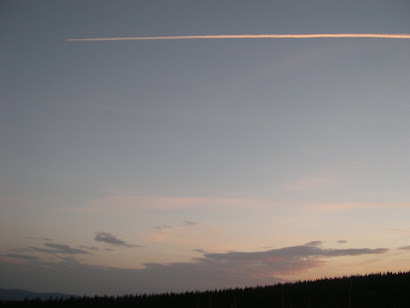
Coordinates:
337 206
310 183
9 260
247 36
397 230
124 200
211 270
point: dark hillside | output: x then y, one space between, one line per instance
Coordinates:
375 290
19 295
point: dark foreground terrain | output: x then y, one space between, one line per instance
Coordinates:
375 290
19 295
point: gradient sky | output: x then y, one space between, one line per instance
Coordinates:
150 166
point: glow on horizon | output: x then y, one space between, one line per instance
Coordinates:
244 36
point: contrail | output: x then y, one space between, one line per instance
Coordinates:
245 36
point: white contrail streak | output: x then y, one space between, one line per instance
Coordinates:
244 36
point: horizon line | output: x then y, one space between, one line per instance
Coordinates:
244 36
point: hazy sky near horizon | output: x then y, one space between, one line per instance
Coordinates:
150 166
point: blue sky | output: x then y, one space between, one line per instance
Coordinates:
155 163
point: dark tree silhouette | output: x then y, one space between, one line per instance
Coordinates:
374 290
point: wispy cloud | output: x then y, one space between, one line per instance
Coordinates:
314 182
125 200
69 259
112 240
186 223
65 249
89 247
46 239
189 223
163 227
397 230
146 202
247 36
314 243
10 260
303 251
20 250
341 241
59 249
337 206
199 250
23 257
210 270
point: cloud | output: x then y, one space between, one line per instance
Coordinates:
186 223
126 200
111 239
209 271
16 258
43 250
46 239
199 250
314 243
162 227
189 223
21 250
397 230
354 252
21 256
247 36
90 247
337 206
266 266
143 202
59 249
342 241
294 252
69 259
314 182
65 249
404 248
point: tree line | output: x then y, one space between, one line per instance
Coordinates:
390 290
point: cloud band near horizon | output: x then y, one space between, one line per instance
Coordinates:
249 36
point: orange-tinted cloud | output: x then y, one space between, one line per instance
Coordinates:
211 270
125 200
247 36
337 206
310 183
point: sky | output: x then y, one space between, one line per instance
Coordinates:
170 165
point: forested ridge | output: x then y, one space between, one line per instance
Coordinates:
373 290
